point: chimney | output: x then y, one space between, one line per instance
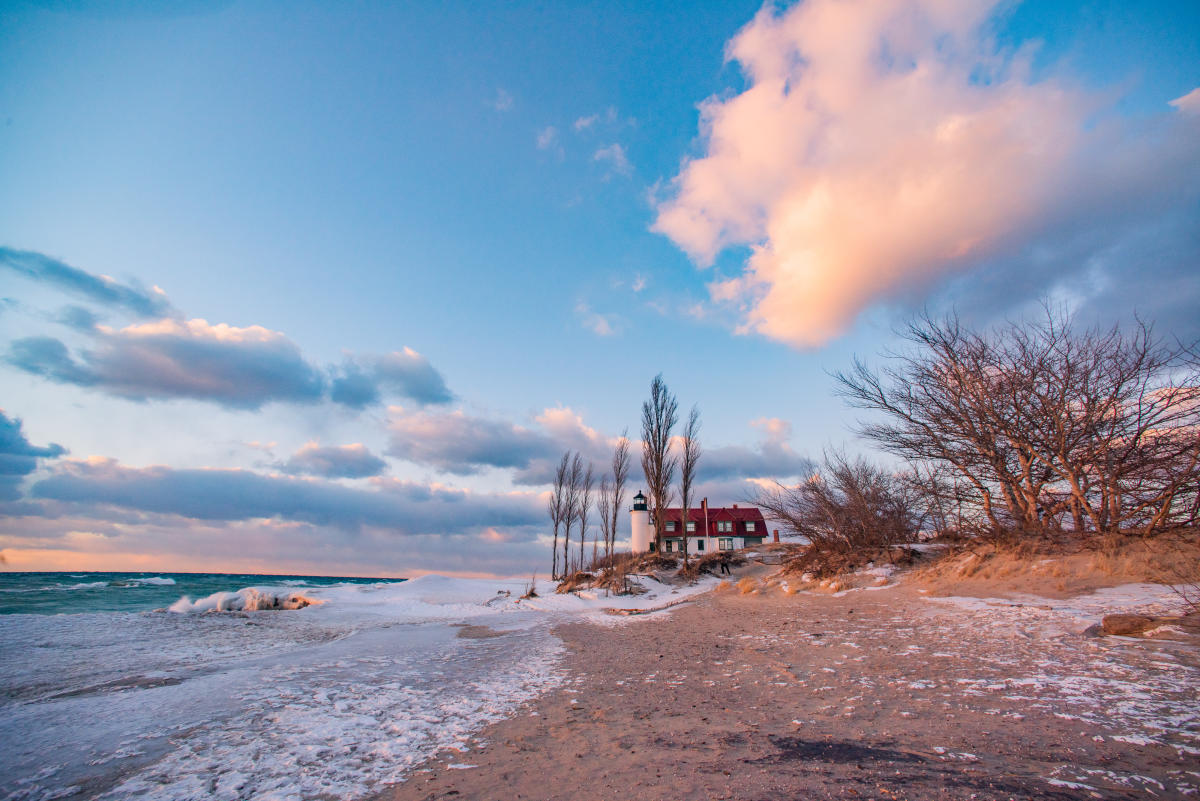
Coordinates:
704 505
735 506
777 535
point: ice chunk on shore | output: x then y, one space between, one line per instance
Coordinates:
247 600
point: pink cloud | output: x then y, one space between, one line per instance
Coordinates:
867 158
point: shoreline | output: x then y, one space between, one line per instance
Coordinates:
884 694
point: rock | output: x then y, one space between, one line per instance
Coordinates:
1129 625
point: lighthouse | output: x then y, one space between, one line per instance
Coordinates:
639 517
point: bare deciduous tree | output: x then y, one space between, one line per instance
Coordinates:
584 509
659 415
689 458
620 474
845 505
1046 429
571 507
557 507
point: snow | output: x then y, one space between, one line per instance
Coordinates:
1135 691
218 699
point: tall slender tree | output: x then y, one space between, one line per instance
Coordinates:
690 457
620 474
584 510
571 507
557 507
659 416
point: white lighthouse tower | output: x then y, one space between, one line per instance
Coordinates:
639 517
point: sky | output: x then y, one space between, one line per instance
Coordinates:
322 288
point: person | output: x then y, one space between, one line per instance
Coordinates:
724 567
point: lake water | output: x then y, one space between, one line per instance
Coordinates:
105 693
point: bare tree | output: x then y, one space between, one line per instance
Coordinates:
604 511
583 510
571 507
845 506
620 474
659 415
690 457
1047 429
557 507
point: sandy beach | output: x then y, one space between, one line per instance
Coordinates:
887 694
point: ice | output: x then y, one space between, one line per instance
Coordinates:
220 698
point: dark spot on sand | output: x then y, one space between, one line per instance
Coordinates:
837 751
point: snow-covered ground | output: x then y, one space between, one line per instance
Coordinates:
336 698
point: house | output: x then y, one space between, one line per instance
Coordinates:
709 528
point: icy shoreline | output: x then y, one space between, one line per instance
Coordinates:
341 695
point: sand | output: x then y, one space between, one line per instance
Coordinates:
872 695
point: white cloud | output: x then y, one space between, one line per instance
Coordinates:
878 148
639 282
599 324
547 137
583 123
503 101
614 155
1189 103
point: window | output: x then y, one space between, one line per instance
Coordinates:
653 547
725 525
699 546
749 525
691 526
668 546
725 543
670 525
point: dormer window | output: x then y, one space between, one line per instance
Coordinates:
749 525
670 525
725 525
691 526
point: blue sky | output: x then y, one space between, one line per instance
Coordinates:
394 258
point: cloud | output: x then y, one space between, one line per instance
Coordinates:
229 495
773 458
614 156
1189 103
240 368
639 283
96 288
583 123
880 147
503 101
361 382
19 457
339 461
547 137
457 443
462 444
599 324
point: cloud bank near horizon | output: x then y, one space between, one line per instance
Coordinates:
168 357
880 148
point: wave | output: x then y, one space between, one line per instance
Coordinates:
249 599
87 585
153 581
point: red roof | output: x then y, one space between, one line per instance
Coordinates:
740 515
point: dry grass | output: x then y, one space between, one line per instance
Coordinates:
747 585
581 580
724 586
824 564
1056 569
711 564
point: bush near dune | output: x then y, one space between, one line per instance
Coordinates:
822 563
711 564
